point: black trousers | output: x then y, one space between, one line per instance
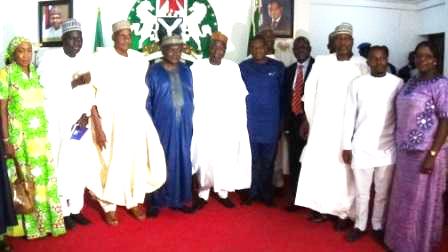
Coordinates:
296 144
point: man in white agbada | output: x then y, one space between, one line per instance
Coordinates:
368 139
220 146
132 158
64 73
325 184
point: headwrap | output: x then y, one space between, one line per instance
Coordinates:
218 36
12 46
171 40
70 25
344 28
120 25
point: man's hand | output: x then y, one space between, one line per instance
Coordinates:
83 121
304 129
428 164
100 138
347 156
81 79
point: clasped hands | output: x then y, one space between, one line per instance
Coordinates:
81 79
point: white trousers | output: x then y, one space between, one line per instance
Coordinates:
72 171
381 177
204 193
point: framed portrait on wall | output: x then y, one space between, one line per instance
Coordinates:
51 16
278 15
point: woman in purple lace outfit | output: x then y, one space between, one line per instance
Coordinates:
415 215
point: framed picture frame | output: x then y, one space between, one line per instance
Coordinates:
50 18
278 15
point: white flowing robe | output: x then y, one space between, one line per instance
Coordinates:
220 146
325 183
133 162
64 105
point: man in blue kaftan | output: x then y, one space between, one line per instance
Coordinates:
170 104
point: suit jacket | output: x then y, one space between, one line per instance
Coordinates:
288 84
283 26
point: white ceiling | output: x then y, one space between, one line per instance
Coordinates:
401 1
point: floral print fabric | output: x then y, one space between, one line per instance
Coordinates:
27 128
419 105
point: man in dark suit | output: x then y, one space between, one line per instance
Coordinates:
276 20
295 77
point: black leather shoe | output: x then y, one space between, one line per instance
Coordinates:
80 219
4 246
186 209
379 235
354 234
152 212
269 202
318 217
199 204
226 202
292 208
69 223
247 201
342 224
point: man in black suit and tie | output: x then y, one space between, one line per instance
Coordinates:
295 77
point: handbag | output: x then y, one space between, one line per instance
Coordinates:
23 191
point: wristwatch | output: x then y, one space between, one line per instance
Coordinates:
433 153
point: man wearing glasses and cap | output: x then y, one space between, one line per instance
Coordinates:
131 156
325 185
170 104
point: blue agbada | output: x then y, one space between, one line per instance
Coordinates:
170 104
264 83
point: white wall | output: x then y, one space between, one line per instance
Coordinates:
433 18
397 25
392 25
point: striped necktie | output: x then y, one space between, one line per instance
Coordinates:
296 102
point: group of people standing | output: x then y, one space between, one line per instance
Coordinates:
363 125
166 135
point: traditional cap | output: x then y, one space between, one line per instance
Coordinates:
218 36
120 25
70 25
364 45
344 28
12 46
171 40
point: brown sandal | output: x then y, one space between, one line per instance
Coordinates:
111 218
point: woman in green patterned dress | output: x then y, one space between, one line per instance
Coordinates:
24 128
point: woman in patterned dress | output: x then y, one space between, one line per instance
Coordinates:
24 130
415 215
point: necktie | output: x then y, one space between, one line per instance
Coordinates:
274 25
296 101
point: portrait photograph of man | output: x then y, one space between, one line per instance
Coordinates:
277 15
51 16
